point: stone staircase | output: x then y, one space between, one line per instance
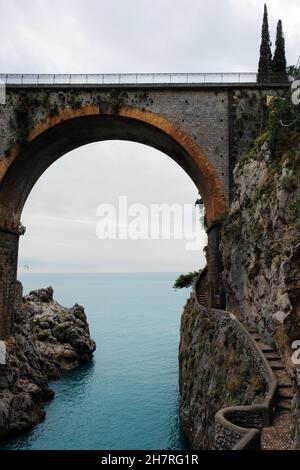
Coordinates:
201 287
285 393
277 436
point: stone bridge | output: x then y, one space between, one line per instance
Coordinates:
204 127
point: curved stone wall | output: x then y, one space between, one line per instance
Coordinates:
238 427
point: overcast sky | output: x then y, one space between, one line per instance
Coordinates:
96 36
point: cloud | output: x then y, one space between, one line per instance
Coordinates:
86 36
60 214
97 36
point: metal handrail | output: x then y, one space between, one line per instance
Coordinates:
127 78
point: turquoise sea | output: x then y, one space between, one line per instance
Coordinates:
127 397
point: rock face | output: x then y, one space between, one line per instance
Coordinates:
261 250
215 371
261 258
261 244
47 340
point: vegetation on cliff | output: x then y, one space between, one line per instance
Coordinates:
261 234
261 239
186 280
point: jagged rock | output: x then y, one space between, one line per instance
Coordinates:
261 257
47 340
43 295
261 249
260 245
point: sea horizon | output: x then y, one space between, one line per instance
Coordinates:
127 397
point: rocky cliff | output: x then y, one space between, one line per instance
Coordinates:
261 243
260 248
47 340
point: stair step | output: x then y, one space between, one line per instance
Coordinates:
283 379
272 356
201 289
256 337
284 384
276 365
284 405
285 392
201 292
264 347
252 332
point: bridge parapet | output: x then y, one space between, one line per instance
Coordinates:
129 78
106 79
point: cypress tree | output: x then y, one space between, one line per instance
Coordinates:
279 73
265 59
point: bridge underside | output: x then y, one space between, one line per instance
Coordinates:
59 139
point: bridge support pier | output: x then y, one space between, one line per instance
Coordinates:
215 293
9 245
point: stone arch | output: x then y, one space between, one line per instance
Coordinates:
51 138
71 128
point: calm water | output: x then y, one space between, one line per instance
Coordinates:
127 397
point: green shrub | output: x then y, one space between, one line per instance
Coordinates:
289 182
53 110
234 385
22 120
186 280
294 209
258 383
75 102
20 112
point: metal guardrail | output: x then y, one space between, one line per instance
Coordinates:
127 78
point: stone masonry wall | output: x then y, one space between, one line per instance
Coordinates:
215 117
8 268
216 371
202 114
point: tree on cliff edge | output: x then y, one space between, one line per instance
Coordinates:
265 58
279 73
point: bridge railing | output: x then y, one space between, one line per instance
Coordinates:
127 78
